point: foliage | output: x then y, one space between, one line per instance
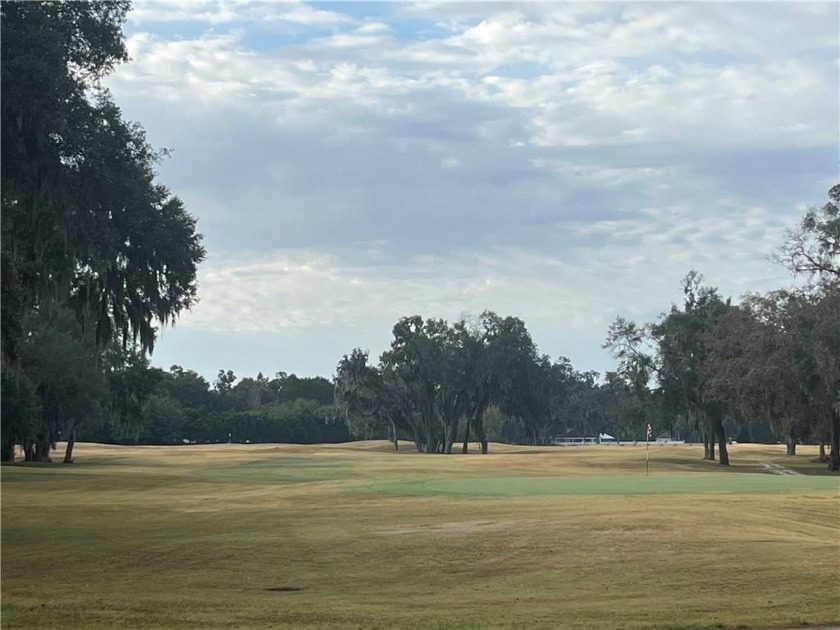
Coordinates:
62 362
21 413
150 406
773 359
812 249
438 379
85 226
672 351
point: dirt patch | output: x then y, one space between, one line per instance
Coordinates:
451 527
779 470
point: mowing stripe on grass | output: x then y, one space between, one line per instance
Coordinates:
655 484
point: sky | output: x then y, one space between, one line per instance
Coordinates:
351 163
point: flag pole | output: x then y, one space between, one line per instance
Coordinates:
647 449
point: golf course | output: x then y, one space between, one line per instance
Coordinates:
358 536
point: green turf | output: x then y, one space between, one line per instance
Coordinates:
655 484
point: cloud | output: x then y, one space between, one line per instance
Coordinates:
564 162
629 266
222 12
592 83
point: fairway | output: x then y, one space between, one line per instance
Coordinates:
657 484
357 536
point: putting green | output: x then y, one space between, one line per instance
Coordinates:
655 484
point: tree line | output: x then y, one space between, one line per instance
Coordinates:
127 401
148 405
773 357
439 382
766 368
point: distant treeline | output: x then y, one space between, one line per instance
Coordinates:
152 406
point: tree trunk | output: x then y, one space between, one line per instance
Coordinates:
834 456
478 425
707 432
531 435
721 435
711 438
71 442
482 437
822 458
7 450
465 448
41 451
790 447
449 435
394 435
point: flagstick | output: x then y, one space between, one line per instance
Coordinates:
647 456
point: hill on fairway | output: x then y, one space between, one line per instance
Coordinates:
355 535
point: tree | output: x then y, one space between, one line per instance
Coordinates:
223 388
626 407
682 349
437 379
189 388
63 364
552 401
816 333
84 224
585 410
21 414
519 377
82 215
162 420
478 377
812 249
288 387
672 351
491 347
360 395
424 368
131 382
630 399
750 366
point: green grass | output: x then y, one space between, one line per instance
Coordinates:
192 537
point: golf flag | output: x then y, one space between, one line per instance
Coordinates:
649 431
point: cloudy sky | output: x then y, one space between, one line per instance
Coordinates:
350 163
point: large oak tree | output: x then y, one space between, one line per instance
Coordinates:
85 225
